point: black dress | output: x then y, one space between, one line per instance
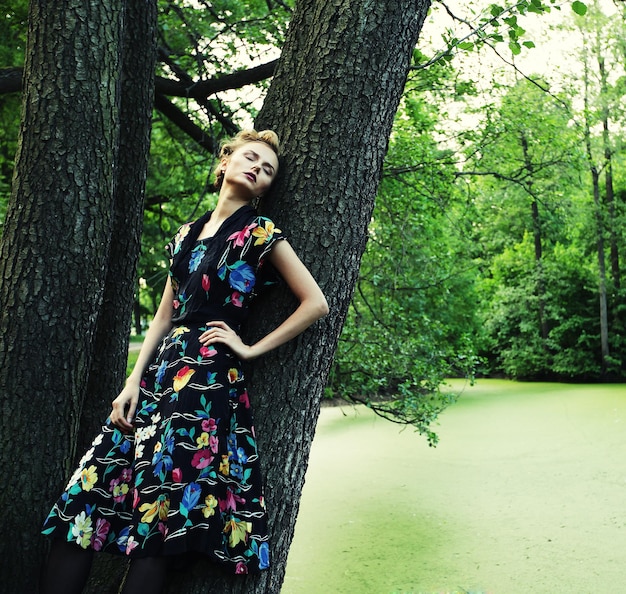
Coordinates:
188 478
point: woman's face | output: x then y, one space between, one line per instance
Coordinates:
251 169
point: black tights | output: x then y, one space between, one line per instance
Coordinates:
68 566
146 576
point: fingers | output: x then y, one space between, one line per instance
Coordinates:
117 416
219 329
130 413
121 422
218 324
217 332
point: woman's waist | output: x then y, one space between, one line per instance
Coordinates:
187 335
202 325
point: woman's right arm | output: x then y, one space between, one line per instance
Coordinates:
121 416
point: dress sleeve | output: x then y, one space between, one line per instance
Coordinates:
173 247
267 235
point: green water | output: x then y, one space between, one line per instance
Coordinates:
526 493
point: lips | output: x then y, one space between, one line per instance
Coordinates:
250 176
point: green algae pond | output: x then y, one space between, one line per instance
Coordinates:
525 494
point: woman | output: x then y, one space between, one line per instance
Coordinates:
175 470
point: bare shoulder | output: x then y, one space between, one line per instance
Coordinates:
284 258
283 255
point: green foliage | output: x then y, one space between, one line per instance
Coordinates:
536 234
512 341
451 273
499 23
199 41
9 115
13 32
12 46
411 319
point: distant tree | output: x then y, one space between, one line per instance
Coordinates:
603 94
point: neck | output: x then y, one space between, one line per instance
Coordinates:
227 204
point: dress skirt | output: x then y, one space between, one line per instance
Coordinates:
188 478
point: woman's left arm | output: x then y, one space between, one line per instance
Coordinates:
312 306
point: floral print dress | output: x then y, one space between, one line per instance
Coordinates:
188 478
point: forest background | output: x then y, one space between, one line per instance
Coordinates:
494 247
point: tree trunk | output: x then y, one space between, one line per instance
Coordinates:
538 242
108 368
53 257
609 200
608 175
602 296
595 181
332 101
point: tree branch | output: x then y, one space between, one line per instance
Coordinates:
184 122
235 80
187 82
11 82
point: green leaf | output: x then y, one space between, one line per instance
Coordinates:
515 48
466 45
496 10
579 8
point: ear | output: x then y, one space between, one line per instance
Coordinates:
224 163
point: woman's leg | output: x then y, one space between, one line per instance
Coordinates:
146 576
67 568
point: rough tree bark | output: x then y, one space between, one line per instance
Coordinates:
332 101
69 194
110 345
108 368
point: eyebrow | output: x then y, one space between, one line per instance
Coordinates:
263 164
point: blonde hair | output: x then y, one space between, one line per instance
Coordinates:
269 137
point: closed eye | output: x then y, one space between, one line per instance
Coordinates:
253 156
